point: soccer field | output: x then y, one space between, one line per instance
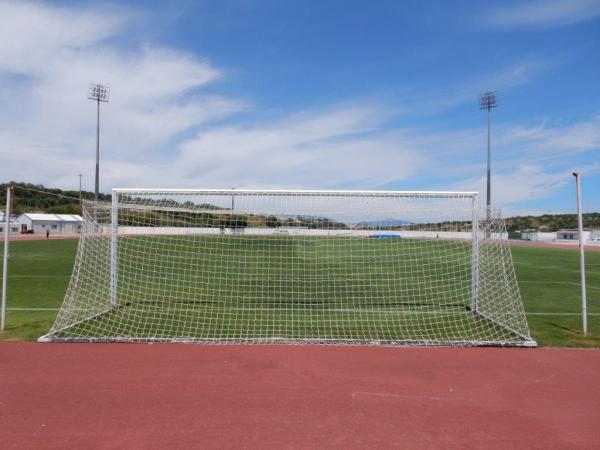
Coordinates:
282 288
548 278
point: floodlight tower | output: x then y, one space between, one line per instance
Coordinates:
98 93
487 100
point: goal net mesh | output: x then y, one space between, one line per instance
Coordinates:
292 267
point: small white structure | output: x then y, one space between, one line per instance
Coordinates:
529 235
595 235
55 223
536 235
571 235
14 225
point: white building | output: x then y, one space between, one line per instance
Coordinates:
529 235
55 223
572 235
14 225
535 235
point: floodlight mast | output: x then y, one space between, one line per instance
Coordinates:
487 101
99 93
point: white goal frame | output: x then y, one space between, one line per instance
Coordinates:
476 236
114 266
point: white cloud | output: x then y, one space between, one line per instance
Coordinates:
327 149
533 163
502 79
525 182
545 13
335 148
32 35
578 137
48 57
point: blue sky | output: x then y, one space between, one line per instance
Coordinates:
281 94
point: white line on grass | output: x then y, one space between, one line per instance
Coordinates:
33 309
39 276
559 314
571 283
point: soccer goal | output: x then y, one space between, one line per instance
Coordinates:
319 267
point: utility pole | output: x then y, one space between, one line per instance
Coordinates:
581 254
80 189
98 93
488 101
5 258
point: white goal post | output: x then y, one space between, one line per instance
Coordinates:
292 266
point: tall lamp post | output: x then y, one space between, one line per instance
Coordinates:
487 101
581 254
5 259
98 93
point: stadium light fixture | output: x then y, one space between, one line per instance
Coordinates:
488 101
98 93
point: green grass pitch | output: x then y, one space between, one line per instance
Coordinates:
290 288
548 279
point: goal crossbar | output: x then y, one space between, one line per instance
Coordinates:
302 192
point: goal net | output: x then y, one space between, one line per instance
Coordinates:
331 267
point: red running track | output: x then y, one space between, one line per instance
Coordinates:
192 396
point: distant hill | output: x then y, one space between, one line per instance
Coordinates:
551 222
546 222
28 200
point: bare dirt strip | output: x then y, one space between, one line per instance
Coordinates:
193 396
39 237
558 245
